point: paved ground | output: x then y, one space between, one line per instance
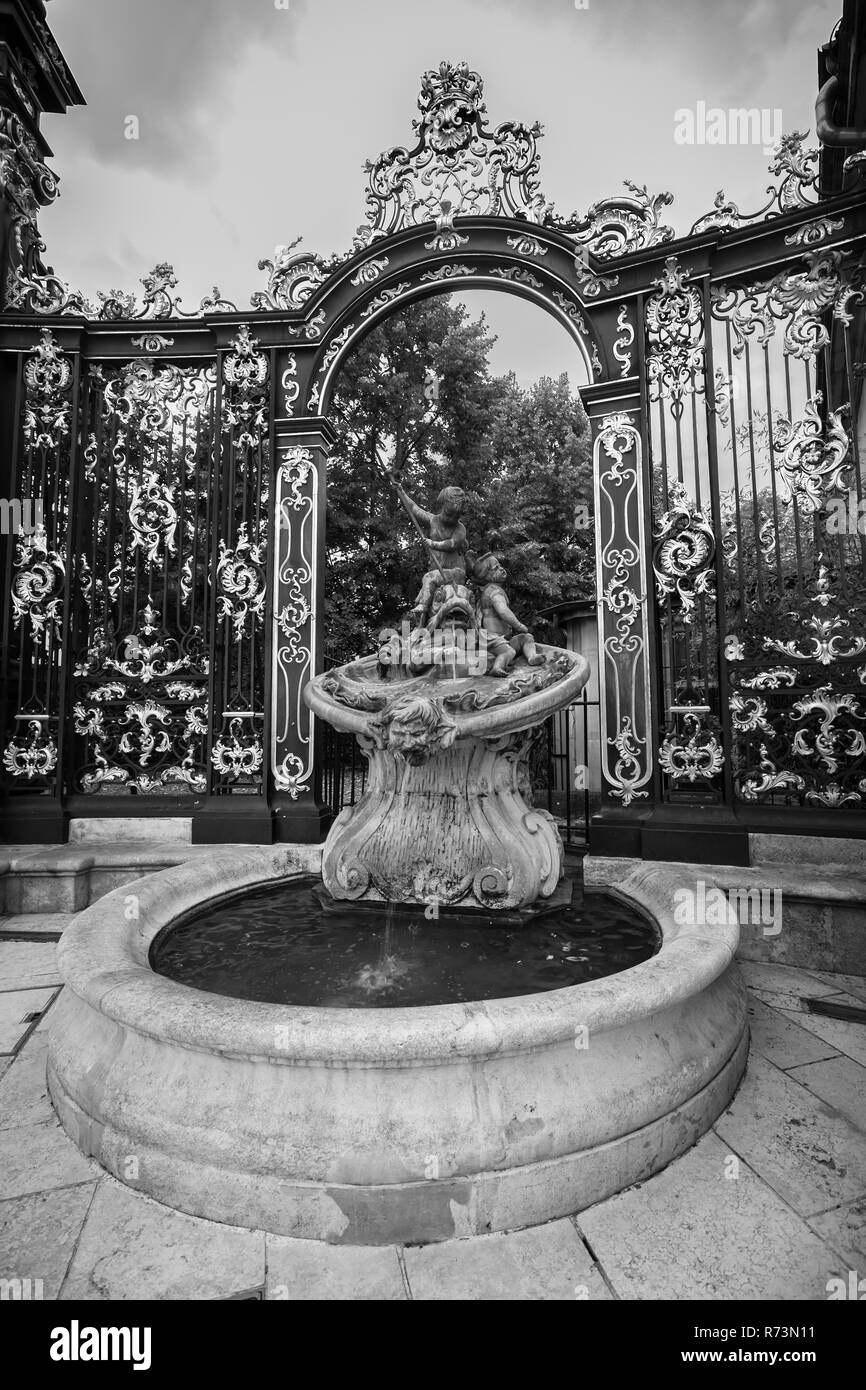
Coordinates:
769 1205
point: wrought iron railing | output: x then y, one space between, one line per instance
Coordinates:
756 418
565 770
134 652
343 769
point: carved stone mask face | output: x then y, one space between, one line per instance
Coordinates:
415 727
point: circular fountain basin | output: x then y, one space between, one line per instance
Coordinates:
385 1125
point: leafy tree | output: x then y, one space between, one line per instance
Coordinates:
522 456
539 500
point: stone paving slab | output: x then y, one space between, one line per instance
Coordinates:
15 1005
780 1039
542 1263
787 980
809 1154
35 1158
24 964
693 1233
38 1234
131 1247
791 1002
785 986
848 984
843 1036
24 1089
309 1270
841 1083
845 1229
45 1021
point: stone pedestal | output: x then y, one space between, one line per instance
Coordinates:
444 819
453 829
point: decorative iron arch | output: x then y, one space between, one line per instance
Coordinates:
461 210
404 268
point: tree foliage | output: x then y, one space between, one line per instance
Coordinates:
521 455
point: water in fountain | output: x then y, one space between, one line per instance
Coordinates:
387 968
280 945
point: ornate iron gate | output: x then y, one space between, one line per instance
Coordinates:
756 421
162 613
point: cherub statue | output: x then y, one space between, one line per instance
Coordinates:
506 635
446 539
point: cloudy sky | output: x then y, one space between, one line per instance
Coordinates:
255 117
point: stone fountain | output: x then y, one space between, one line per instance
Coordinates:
366 1125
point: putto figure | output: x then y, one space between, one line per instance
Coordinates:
446 538
506 635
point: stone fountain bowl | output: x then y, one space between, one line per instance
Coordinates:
375 1126
446 814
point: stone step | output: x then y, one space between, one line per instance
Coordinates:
163 830
791 911
816 911
35 926
68 878
825 852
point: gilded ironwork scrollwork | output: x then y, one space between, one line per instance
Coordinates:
241 581
293 276
809 720
814 456
692 753
296 509
245 372
797 168
37 583
290 384
237 756
36 758
798 298
620 554
617 226
526 245
48 407
40 480
675 360
684 552
457 161
141 718
624 340
589 282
